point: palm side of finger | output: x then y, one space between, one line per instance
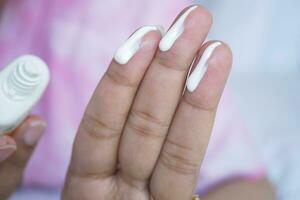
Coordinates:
139 136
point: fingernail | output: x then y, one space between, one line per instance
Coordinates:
132 45
34 132
200 69
175 31
6 149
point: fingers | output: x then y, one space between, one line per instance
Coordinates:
185 146
96 144
159 93
15 151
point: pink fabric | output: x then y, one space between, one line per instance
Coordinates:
77 38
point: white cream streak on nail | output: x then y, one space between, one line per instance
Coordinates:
132 45
199 71
175 31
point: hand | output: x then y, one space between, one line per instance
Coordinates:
140 136
15 150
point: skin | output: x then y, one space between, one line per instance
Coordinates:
11 169
140 138
260 189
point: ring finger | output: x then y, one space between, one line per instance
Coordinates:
176 171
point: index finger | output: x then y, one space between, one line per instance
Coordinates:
96 144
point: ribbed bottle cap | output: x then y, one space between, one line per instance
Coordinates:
22 80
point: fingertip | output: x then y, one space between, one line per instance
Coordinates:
227 47
199 10
141 38
220 59
199 17
30 131
220 65
152 39
34 132
224 54
208 78
205 14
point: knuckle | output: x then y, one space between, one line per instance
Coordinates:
90 175
95 127
210 106
172 60
179 159
147 125
116 77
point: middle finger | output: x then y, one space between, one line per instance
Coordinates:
159 93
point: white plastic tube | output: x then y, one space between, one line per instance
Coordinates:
22 83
